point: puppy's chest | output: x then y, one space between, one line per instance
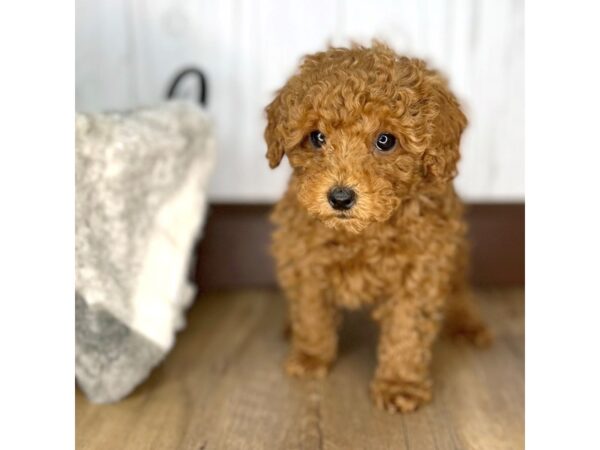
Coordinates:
362 271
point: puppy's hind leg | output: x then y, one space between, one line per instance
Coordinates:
462 316
463 319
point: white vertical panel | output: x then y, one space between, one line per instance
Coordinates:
494 145
508 159
247 150
128 51
480 98
103 50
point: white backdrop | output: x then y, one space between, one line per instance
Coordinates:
128 50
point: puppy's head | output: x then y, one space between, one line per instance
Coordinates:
362 129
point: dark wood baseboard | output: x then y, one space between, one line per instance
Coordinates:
234 250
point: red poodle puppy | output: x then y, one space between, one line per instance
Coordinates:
371 217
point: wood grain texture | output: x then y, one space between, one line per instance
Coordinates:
222 387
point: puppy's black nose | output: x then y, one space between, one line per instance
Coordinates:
341 198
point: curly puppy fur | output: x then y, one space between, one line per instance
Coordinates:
401 249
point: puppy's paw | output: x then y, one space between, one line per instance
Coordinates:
400 396
301 365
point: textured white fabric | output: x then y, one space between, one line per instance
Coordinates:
141 180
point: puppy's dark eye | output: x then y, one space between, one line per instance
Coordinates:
385 142
317 139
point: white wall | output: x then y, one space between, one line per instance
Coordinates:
128 50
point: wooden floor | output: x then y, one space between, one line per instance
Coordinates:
222 387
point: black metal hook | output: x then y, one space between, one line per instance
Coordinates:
197 73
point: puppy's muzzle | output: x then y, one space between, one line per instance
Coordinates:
341 198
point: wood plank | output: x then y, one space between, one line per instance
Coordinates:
222 387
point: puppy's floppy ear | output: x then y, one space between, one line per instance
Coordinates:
274 132
442 155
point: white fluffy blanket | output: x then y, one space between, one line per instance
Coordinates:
141 180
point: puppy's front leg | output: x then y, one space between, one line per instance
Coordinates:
314 322
409 327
